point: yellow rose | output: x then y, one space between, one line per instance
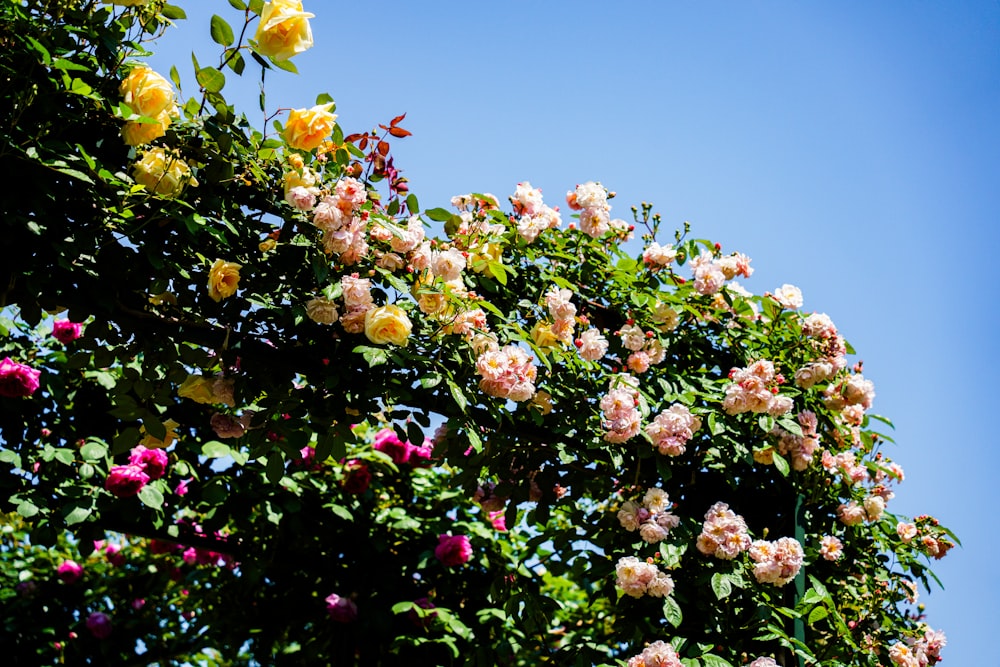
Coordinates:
388 324
223 278
147 93
307 128
479 259
162 172
198 388
152 442
542 335
138 134
283 30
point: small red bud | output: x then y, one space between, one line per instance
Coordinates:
578 342
718 246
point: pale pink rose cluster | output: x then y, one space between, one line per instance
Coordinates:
475 203
533 216
651 518
591 200
846 464
671 429
408 247
724 533
641 577
357 294
854 390
646 349
620 407
563 313
300 185
711 273
788 296
508 373
854 513
927 534
591 345
344 226
822 334
831 548
919 651
798 448
656 256
755 389
657 654
776 562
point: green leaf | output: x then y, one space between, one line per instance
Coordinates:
64 456
275 469
791 426
341 511
93 450
781 464
457 394
817 614
238 5
151 497
215 449
221 32
766 423
210 79
403 607
721 585
13 458
27 509
411 204
672 611
375 356
77 515
173 12
438 214
710 660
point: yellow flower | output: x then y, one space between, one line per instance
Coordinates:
223 278
480 258
387 324
138 134
163 173
198 388
283 30
152 442
307 128
147 93
542 335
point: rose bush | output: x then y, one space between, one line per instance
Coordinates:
382 434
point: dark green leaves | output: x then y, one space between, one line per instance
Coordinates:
221 32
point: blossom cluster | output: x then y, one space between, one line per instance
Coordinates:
651 518
402 453
755 389
919 651
453 550
710 272
799 448
143 466
591 200
646 350
925 532
641 577
657 654
724 533
147 94
776 562
563 313
672 428
620 407
508 372
822 335
533 216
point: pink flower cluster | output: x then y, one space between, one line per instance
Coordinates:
656 256
846 463
646 349
591 200
620 408
357 476
657 654
852 513
776 562
919 651
854 390
724 533
831 347
641 577
710 273
65 331
453 550
563 313
387 442
755 389
507 373
69 571
591 345
533 216
671 429
798 448
357 293
144 465
344 229
17 380
651 518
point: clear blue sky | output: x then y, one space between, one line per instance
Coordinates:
850 148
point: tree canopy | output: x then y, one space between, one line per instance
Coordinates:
257 406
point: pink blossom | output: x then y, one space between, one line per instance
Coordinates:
526 199
638 577
724 533
657 654
99 625
17 380
65 331
453 550
387 442
671 429
776 562
126 481
831 548
788 296
182 487
153 462
357 477
592 345
499 520
906 531
763 662
341 609
69 571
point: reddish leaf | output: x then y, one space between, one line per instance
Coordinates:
395 121
383 148
399 132
363 144
351 138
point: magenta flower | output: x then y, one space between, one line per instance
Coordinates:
65 331
99 625
126 481
453 550
153 462
341 610
69 571
17 380
387 442
358 477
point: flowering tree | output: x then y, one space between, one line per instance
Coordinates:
252 412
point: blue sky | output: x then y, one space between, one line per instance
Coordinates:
850 148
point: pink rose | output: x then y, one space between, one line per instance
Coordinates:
16 379
126 481
153 462
453 550
99 625
358 477
340 609
65 331
69 571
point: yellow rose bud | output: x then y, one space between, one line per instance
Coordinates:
152 442
267 245
162 172
283 30
307 128
387 324
147 93
223 278
198 388
542 335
